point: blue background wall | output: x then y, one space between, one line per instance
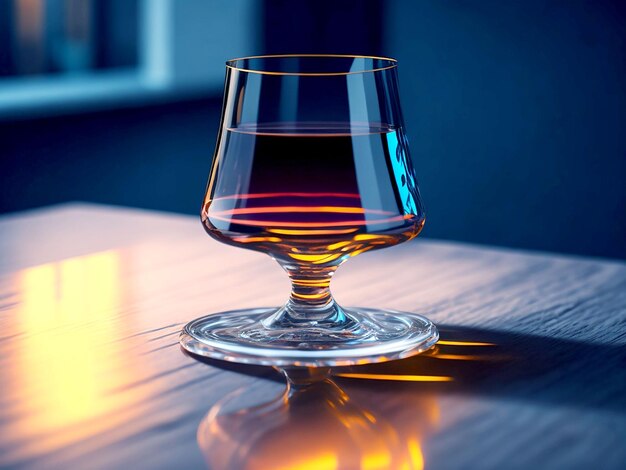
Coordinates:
516 113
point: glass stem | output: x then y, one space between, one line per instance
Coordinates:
311 302
311 291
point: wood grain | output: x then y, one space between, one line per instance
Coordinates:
92 299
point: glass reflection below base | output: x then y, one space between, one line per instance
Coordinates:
368 335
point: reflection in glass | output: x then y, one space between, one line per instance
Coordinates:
312 167
317 425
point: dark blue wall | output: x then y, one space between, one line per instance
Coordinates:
517 117
155 157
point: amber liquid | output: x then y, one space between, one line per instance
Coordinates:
310 195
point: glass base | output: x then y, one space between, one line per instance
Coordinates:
368 336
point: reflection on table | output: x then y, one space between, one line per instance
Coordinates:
317 424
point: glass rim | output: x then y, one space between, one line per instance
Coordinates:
232 64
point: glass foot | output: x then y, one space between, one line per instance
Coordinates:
366 336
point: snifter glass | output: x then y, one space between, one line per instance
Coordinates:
312 167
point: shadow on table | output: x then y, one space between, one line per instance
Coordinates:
489 362
377 416
525 367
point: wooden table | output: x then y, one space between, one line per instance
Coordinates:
530 372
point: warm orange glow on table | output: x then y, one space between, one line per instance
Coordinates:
69 356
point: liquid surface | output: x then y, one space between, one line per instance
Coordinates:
312 194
